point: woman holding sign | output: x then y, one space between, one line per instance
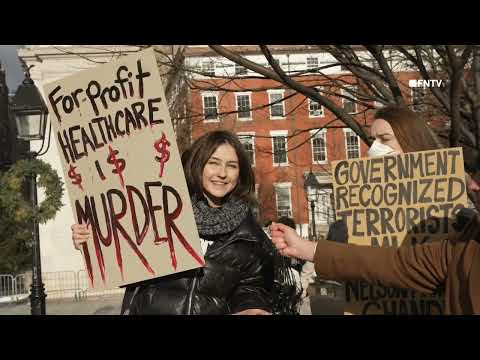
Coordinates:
397 130
238 275
453 264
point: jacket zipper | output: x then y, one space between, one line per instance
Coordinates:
190 295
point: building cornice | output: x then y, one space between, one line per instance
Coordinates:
41 52
193 51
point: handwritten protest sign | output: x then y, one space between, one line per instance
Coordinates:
123 171
393 200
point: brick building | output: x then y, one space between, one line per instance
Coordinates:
286 134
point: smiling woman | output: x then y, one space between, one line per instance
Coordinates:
220 174
238 274
217 166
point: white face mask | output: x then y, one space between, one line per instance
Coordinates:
379 149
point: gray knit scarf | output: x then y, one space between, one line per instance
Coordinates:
217 221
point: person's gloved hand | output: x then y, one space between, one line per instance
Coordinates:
464 216
338 232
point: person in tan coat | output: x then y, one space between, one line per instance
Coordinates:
453 264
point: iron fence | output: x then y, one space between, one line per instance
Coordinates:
7 285
58 285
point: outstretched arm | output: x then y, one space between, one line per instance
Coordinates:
422 268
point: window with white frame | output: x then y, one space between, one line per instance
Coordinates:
248 142
243 106
319 146
324 213
208 67
283 199
210 106
418 98
349 103
240 70
314 108
277 106
312 64
352 144
279 147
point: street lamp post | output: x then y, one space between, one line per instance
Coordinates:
311 182
312 206
31 118
37 294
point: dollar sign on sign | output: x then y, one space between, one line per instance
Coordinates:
76 178
119 164
161 145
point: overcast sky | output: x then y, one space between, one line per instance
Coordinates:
13 69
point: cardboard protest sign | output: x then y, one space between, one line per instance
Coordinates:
123 171
393 200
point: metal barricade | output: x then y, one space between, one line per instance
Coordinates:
22 285
60 284
7 285
85 291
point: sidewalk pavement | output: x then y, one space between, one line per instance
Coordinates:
102 305
110 305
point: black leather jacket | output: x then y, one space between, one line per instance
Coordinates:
238 275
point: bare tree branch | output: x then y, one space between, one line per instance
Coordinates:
376 52
307 91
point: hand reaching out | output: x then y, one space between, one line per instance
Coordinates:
288 243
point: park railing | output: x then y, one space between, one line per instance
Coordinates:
7 285
58 285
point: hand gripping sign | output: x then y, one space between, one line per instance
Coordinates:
123 171
398 200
